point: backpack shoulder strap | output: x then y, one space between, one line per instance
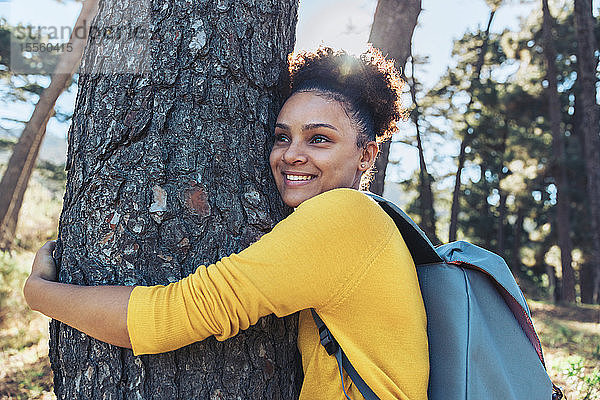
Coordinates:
332 347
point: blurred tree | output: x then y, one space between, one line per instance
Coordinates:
20 165
563 222
167 170
587 109
509 200
425 199
468 131
391 32
26 86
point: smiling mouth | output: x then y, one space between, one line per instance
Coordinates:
298 178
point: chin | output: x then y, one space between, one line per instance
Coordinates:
293 203
294 200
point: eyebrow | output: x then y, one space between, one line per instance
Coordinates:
307 127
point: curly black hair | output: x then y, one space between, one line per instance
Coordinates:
368 87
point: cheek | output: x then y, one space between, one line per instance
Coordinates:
273 160
346 161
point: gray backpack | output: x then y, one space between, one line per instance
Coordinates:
482 343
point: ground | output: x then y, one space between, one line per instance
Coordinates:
570 338
24 366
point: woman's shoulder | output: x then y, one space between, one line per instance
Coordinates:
344 197
346 206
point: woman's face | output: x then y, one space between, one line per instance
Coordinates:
315 149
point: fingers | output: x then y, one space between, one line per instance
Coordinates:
43 262
47 249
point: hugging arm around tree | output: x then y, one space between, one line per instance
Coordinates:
338 253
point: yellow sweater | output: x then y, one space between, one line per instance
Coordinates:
339 253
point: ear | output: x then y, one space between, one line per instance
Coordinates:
369 154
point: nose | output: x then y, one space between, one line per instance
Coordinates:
294 154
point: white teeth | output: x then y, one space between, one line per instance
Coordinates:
298 177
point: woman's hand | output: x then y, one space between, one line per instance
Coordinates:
43 265
42 270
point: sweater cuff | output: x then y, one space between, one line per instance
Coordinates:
136 324
149 331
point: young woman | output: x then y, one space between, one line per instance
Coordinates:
338 252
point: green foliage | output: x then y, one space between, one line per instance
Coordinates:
19 87
53 172
588 382
14 54
508 201
7 143
9 275
596 352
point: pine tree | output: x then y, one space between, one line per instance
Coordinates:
168 170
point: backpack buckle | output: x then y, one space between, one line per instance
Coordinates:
328 341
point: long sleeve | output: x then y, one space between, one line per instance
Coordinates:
313 258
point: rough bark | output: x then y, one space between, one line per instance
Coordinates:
427 210
562 224
21 163
588 111
393 26
168 170
468 135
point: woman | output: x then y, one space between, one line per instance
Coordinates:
338 252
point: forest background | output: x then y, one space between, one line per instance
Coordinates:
481 89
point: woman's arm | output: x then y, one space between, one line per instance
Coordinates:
99 311
310 259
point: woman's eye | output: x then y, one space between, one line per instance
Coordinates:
280 137
319 139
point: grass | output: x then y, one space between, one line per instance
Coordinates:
24 365
570 336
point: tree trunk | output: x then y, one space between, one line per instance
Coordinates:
588 109
540 264
167 170
462 155
393 26
553 284
558 148
427 210
515 265
503 195
10 226
587 280
468 135
21 163
501 222
485 208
